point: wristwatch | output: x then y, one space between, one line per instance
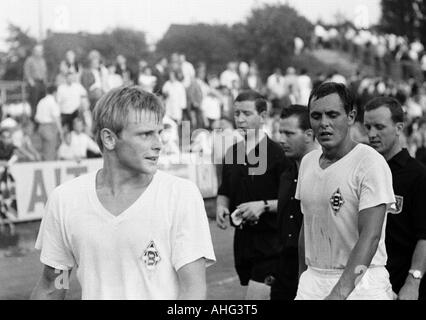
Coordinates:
267 206
416 274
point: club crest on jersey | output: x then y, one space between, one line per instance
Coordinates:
151 256
337 201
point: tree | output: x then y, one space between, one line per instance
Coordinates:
269 35
130 43
20 46
404 18
212 44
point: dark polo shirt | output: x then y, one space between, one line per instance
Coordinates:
405 228
254 244
290 220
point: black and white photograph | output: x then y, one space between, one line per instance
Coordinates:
226 151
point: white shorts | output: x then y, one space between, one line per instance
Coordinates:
316 284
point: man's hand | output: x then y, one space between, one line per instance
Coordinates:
251 211
221 213
410 289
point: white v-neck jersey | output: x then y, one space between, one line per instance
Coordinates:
134 255
331 200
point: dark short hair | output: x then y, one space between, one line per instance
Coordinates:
251 95
299 111
395 108
329 88
51 89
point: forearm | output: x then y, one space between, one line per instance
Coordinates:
193 292
47 291
302 261
222 201
358 263
418 261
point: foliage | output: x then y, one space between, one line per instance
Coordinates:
20 44
211 44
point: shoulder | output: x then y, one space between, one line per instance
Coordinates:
175 184
367 155
73 188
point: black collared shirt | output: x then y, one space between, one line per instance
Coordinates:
240 186
405 228
289 212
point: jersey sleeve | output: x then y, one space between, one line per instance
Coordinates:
376 184
192 238
51 239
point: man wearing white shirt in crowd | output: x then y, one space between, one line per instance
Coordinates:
230 75
81 143
48 116
188 71
305 87
175 94
69 98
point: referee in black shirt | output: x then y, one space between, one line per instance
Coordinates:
406 225
249 191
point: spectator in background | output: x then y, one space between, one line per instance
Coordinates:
291 80
48 117
7 148
69 97
188 71
147 80
305 86
276 90
254 82
160 72
93 78
230 76
194 95
175 94
35 74
81 143
70 63
113 80
124 71
66 151
26 149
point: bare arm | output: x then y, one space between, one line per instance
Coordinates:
222 209
192 281
302 261
53 285
410 290
370 223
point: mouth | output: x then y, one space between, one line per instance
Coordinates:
153 158
325 135
374 143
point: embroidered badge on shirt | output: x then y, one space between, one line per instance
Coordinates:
151 256
337 201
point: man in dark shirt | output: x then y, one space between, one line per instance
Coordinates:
406 225
249 192
297 139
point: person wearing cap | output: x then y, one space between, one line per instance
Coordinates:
297 139
345 190
248 193
406 225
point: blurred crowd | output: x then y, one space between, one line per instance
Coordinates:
57 125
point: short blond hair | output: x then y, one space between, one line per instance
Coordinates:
113 109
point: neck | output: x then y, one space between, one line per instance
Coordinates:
340 151
118 179
310 147
397 148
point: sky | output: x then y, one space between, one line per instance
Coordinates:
155 16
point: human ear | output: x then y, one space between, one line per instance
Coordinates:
108 138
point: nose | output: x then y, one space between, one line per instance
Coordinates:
324 121
157 144
371 132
